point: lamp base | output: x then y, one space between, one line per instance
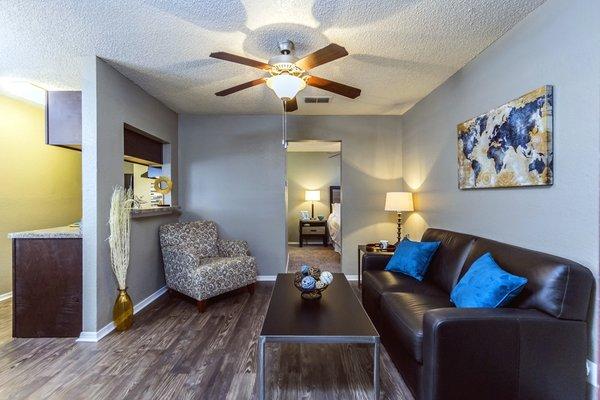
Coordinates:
399 228
312 210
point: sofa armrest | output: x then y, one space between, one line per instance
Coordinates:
374 261
506 353
232 248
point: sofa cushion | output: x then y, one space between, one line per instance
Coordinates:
402 318
200 235
449 259
557 286
387 281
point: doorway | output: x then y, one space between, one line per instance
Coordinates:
314 202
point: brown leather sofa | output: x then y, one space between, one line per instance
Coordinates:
534 348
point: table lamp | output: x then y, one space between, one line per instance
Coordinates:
312 196
399 202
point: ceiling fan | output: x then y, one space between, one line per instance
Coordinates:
289 74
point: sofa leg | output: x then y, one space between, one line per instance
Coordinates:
250 288
201 304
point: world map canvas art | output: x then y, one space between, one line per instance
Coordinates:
509 146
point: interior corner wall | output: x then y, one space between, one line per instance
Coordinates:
557 44
108 101
309 171
232 171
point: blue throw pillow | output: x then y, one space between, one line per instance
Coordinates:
486 285
412 258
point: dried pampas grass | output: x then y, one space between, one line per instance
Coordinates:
119 223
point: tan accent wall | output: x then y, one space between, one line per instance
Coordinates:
40 185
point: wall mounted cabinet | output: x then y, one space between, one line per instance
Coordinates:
63 119
63 128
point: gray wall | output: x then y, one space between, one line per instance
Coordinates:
558 44
232 171
109 101
309 171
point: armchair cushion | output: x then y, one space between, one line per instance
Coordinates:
199 235
232 248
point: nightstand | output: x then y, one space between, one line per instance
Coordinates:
313 228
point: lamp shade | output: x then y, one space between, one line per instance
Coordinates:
286 86
399 201
312 195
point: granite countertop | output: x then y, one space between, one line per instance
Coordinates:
61 232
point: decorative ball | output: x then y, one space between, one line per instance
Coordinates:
326 277
314 272
308 283
304 269
319 285
298 277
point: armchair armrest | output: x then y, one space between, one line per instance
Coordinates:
374 261
502 353
232 248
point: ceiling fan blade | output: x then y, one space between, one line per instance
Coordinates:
221 55
332 86
320 57
291 105
241 87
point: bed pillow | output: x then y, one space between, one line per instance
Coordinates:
412 258
335 207
486 285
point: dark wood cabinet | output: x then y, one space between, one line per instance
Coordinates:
313 229
63 119
47 287
63 128
141 148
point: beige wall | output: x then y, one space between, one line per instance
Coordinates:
41 184
309 171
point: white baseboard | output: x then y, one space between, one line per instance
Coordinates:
5 296
293 242
266 278
96 336
352 278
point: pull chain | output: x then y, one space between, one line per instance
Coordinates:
284 125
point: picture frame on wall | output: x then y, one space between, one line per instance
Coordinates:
509 146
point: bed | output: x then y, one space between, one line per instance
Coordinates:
334 221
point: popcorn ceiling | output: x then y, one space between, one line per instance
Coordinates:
399 50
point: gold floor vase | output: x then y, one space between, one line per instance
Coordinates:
123 311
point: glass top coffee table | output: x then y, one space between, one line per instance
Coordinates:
338 317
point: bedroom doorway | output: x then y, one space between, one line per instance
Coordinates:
314 201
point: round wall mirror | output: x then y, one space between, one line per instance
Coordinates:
163 184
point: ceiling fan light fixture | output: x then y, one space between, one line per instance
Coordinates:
286 86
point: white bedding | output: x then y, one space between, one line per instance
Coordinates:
334 224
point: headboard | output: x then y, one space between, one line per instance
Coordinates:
335 196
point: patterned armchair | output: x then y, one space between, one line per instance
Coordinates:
200 265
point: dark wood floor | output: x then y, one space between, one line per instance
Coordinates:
172 352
